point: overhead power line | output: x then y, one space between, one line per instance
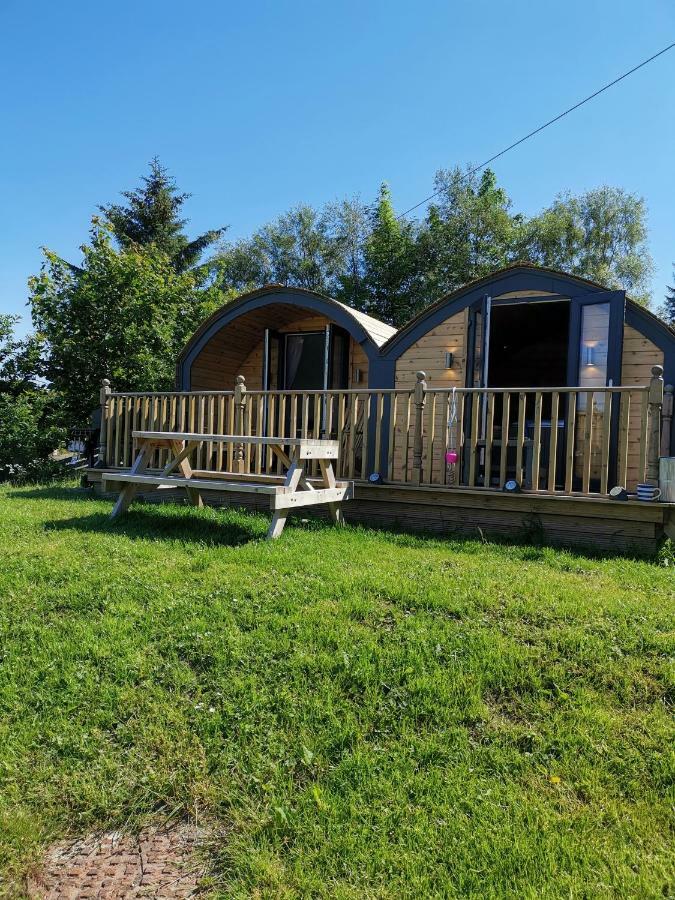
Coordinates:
542 127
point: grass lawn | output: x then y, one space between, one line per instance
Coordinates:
365 714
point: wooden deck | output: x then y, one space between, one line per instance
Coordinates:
590 522
440 457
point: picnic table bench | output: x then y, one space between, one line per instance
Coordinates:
296 490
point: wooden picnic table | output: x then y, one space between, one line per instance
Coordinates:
296 490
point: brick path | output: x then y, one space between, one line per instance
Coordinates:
155 864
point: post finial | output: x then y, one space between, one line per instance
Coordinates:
105 392
106 403
657 371
239 456
419 398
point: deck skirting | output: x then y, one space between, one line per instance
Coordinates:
589 522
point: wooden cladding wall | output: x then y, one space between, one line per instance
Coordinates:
428 355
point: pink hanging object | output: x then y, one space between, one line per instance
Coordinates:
451 457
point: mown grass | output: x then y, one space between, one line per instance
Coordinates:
361 714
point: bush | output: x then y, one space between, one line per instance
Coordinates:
27 437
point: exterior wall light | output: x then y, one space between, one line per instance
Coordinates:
358 375
449 359
589 355
511 486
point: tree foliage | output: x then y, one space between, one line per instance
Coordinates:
600 235
152 215
20 359
390 286
667 310
125 316
317 250
392 267
469 231
28 431
125 312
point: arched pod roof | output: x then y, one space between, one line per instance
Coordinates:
367 331
522 277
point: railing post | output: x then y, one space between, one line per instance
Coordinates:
104 400
239 407
419 400
655 399
667 419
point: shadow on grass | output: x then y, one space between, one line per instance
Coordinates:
233 526
148 523
52 492
521 543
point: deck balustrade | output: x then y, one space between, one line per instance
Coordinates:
559 440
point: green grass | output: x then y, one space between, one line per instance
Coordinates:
363 714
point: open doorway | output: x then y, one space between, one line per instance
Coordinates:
528 346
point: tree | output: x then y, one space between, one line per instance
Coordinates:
667 311
600 235
28 433
468 232
125 316
321 250
391 266
20 360
349 224
152 216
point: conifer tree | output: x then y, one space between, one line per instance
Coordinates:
153 216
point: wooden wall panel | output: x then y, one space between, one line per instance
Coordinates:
357 360
428 355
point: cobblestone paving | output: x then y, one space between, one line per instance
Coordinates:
156 863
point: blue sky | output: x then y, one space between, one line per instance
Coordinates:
257 106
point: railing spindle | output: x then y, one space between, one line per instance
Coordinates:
351 441
379 413
520 437
489 436
365 435
259 422
430 436
504 449
460 438
391 450
553 442
221 428
536 442
622 453
407 437
606 434
588 438
116 418
570 442
473 445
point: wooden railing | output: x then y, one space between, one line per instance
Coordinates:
558 440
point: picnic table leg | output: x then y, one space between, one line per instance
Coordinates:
128 492
335 509
294 476
182 463
277 524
